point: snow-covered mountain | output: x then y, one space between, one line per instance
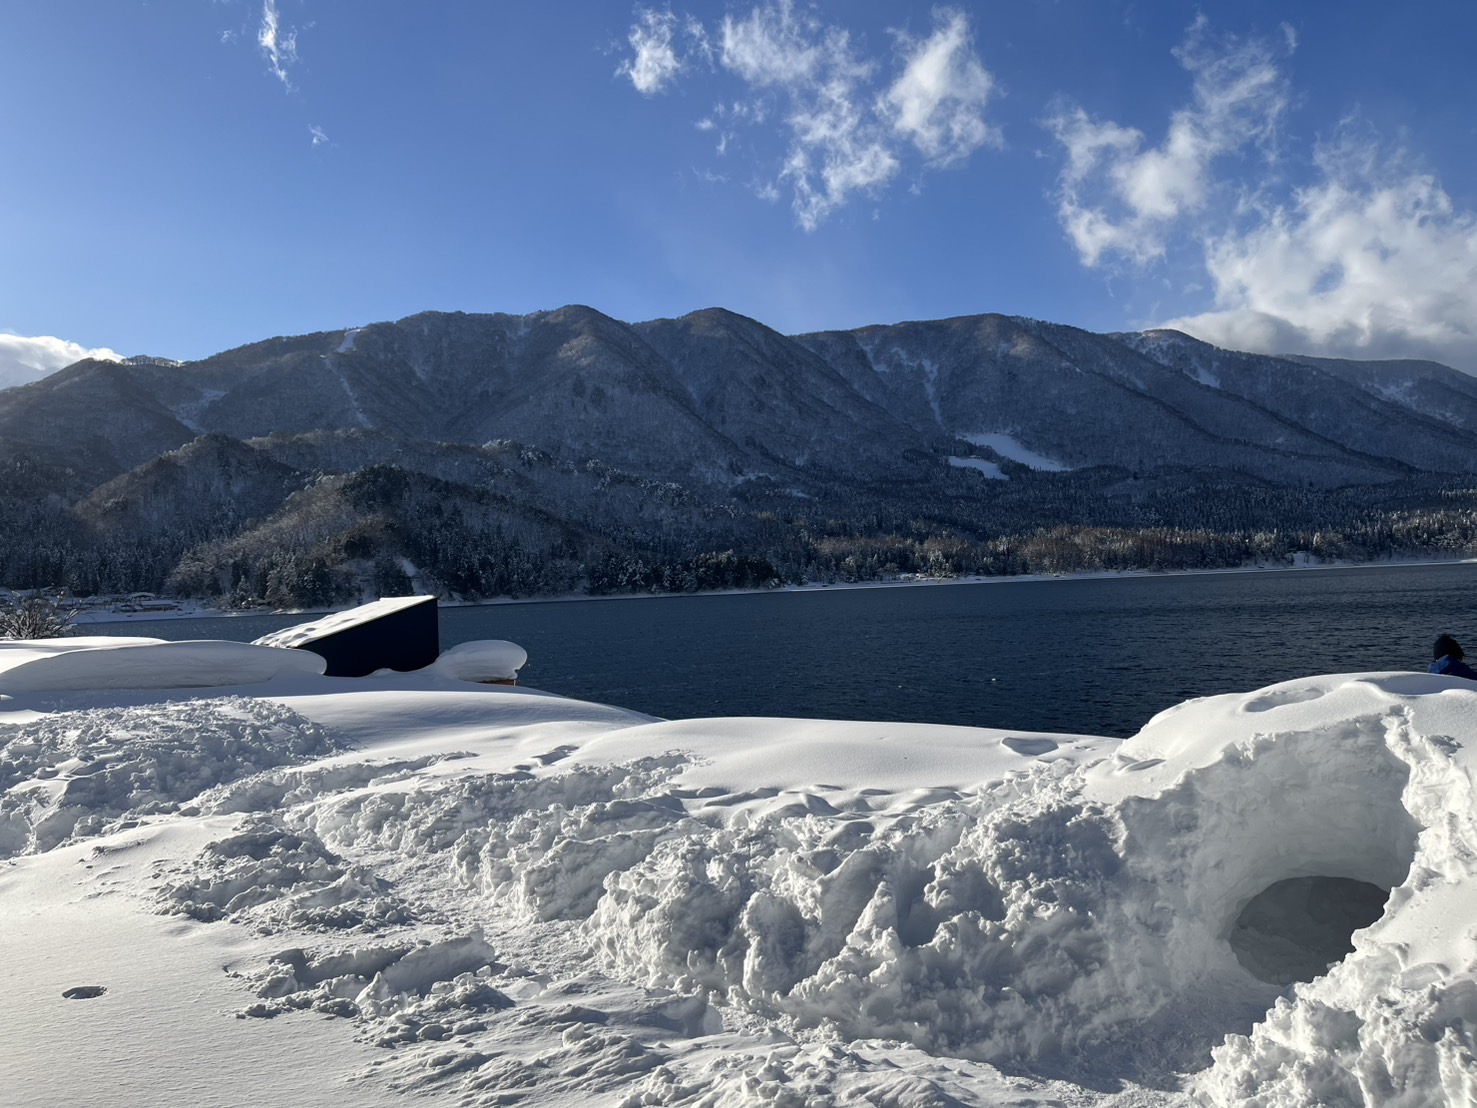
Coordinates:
567 450
715 398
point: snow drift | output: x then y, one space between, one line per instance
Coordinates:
115 662
504 896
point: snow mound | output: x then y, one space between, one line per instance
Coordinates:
86 773
410 991
1123 909
273 879
1384 798
545 845
108 662
482 660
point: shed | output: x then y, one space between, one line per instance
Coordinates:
398 632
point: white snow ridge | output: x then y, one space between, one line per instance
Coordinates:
416 885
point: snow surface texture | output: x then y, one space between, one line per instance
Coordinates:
1008 446
75 775
500 896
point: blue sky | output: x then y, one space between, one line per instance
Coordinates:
189 175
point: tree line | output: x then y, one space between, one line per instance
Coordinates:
383 530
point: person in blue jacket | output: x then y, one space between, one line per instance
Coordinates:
1449 657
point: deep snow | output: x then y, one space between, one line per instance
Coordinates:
299 890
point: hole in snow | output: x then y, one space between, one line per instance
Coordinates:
1295 929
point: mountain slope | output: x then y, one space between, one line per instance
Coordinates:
771 394
100 418
714 398
1083 399
209 488
1421 414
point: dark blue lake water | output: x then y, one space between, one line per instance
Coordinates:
1098 656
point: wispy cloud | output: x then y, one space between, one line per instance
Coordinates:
25 359
1366 256
653 64
1372 259
279 45
772 47
1118 196
847 127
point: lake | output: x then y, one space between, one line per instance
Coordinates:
1092 655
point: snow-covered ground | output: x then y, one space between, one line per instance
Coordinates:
1008 446
273 887
990 470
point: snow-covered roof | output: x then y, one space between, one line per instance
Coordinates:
302 633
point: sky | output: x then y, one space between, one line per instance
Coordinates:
185 176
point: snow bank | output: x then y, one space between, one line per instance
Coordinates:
108 662
1264 898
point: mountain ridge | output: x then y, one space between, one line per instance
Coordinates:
635 454
732 396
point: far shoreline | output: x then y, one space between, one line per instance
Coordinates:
196 609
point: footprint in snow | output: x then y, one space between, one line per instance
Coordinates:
1028 747
1278 697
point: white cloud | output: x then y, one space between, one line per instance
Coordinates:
835 151
1373 259
771 47
1370 257
843 135
280 47
654 63
836 146
938 102
1116 197
23 359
